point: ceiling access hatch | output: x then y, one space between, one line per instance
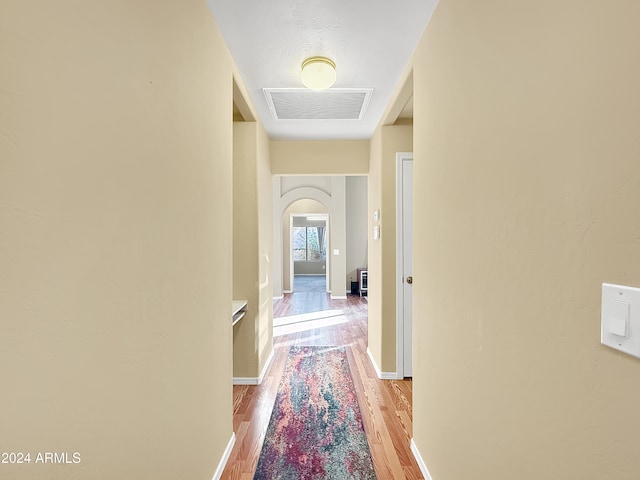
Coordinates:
330 104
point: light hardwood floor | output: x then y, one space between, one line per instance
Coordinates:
316 319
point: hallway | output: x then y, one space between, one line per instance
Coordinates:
315 319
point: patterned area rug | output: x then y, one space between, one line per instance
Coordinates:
316 429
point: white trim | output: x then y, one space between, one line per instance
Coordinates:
400 157
286 291
225 457
280 297
338 297
266 366
382 375
292 265
246 381
420 460
255 380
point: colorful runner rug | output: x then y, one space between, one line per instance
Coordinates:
316 429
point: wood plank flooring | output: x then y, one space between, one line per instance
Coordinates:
310 283
308 318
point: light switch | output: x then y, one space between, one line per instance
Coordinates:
336 251
620 321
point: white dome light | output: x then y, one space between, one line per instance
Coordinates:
318 73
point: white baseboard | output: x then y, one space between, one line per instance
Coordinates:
279 298
225 457
338 297
267 364
287 291
419 459
255 380
381 375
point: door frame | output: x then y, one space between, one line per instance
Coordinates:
400 158
291 261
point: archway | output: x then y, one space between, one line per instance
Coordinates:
333 205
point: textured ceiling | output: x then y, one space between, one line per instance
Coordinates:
371 42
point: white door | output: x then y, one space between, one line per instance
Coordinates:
405 262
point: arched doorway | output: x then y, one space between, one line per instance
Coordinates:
333 206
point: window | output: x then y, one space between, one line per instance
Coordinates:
309 244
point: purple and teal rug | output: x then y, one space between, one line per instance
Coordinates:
316 429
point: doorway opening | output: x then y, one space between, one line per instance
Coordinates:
308 255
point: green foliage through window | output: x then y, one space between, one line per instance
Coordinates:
309 244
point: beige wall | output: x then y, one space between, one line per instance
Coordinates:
252 245
527 162
320 182
385 143
338 237
320 157
356 212
245 247
115 238
265 247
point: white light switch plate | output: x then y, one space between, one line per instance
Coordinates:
620 322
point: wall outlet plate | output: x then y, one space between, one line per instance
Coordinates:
620 321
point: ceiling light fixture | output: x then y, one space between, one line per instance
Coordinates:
318 73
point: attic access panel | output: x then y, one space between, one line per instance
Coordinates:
305 104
